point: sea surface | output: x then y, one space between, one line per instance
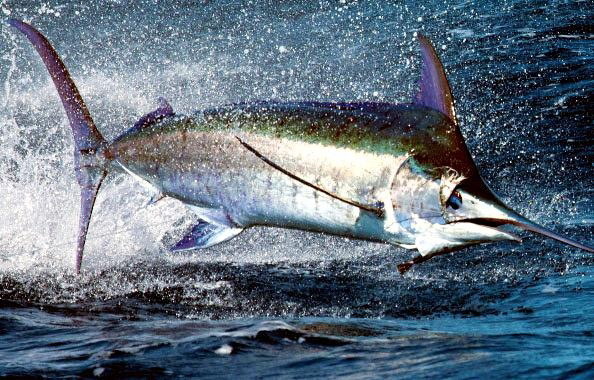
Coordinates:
274 303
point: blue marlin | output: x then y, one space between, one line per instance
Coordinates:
394 173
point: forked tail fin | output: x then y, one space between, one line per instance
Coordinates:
90 162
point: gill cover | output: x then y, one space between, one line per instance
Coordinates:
90 164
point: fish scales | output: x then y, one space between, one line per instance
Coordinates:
252 192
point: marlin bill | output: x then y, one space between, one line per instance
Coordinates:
394 173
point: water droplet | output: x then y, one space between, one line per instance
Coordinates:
225 349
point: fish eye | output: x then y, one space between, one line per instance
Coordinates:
455 200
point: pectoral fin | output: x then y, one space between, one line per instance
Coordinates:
204 235
377 208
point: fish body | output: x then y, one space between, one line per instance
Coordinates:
199 160
394 173
361 152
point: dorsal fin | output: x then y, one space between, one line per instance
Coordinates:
434 89
164 108
162 111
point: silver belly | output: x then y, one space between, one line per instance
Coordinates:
214 171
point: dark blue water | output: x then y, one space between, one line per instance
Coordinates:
275 303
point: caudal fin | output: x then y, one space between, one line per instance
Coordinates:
89 160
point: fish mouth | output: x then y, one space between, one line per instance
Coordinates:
495 225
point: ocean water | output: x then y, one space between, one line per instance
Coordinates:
288 304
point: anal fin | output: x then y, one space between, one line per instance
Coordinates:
204 235
213 215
